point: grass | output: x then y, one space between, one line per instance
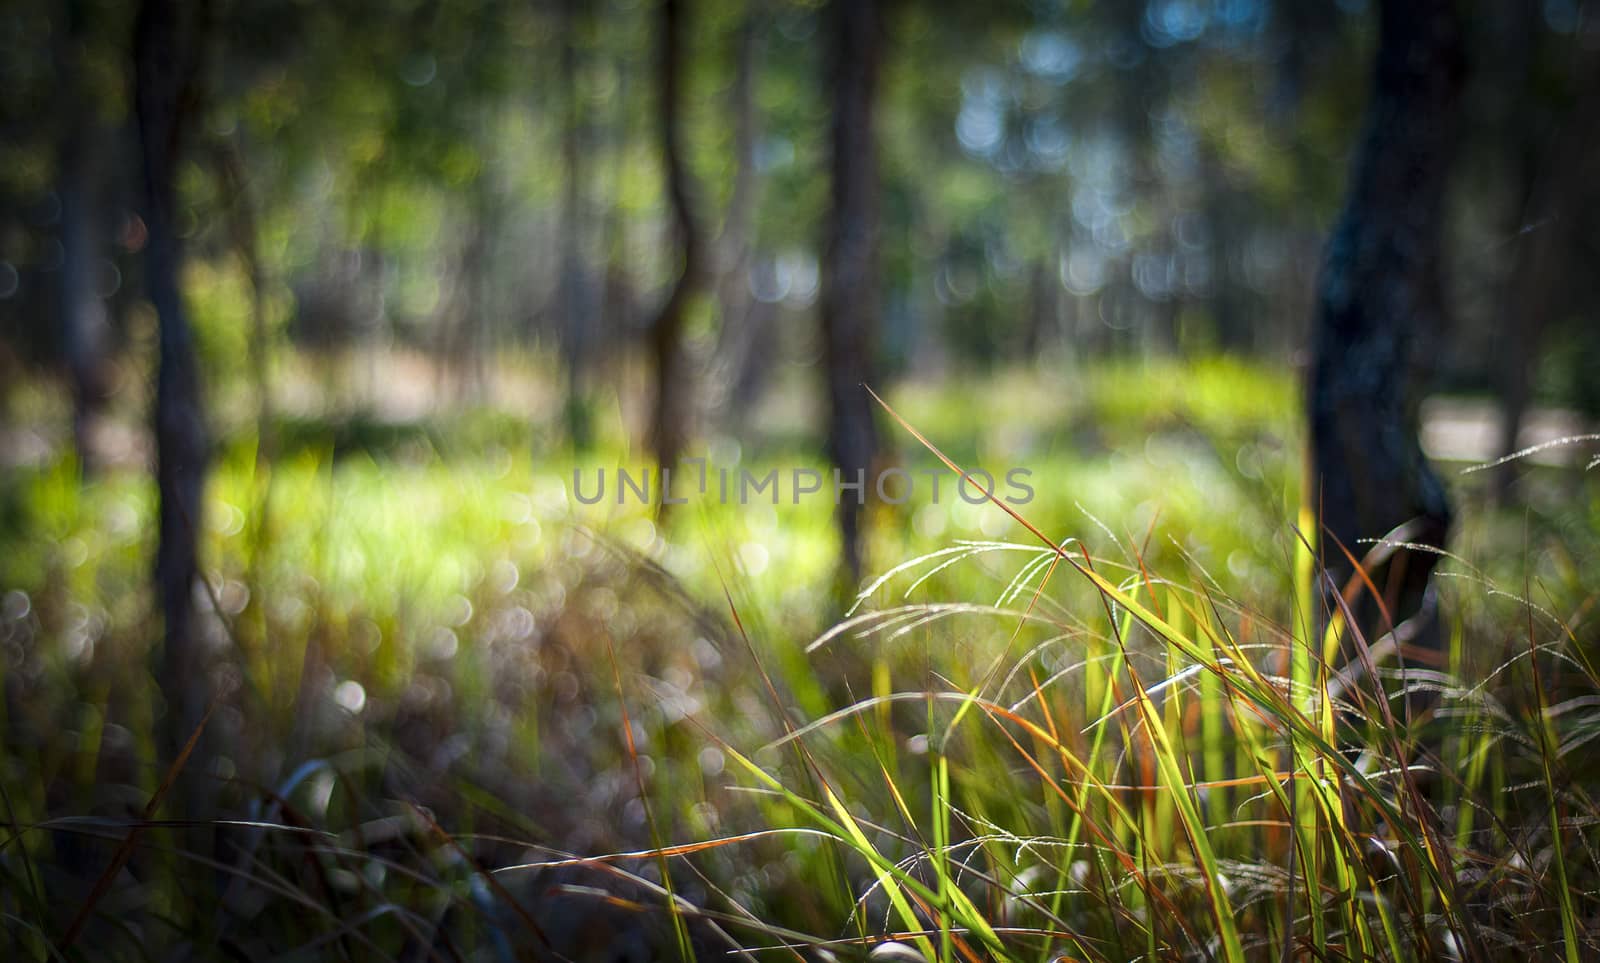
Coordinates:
469 718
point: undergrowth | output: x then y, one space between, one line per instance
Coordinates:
461 717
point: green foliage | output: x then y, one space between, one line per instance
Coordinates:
450 690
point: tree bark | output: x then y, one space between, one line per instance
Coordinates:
1378 290
850 296
670 419
163 61
576 320
83 325
82 318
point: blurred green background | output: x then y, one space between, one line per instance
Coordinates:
425 250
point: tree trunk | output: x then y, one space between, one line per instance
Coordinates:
162 61
1044 307
1229 305
242 234
738 334
850 297
82 317
616 314
83 324
670 419
576 322
1378 290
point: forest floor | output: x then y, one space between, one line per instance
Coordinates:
441 670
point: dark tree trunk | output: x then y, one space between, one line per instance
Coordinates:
1229 302
82 320
1044 307
850 297
670 419
163 61
82 316
576 321
1378 290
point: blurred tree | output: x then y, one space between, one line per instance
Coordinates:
577 320
166 62
745 329
1380 287
850 299
669 425
243 235
83 321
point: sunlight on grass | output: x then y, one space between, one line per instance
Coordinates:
1117 745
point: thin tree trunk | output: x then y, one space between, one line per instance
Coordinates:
1378 291
575 319
242 233
241 221
1044 296
614 305
737 335
82 323
486 225
463 318
82 318
1231 321
850 296
162 61
670 418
